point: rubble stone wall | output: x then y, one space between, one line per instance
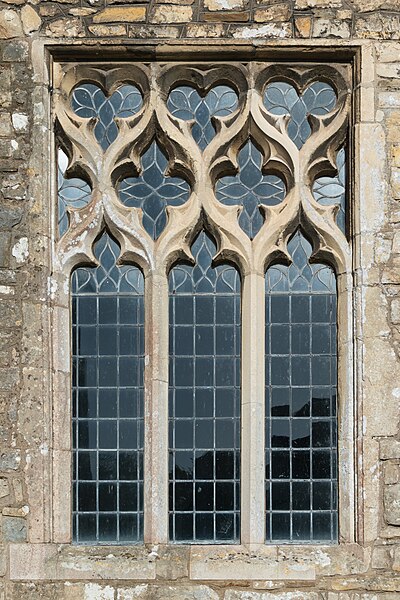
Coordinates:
32 566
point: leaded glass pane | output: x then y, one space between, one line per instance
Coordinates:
153 191
281 98
108 362
250 188
332 190
72 192
185 103
89 102
301 436
204 400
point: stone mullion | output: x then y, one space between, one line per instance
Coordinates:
156 409
253 410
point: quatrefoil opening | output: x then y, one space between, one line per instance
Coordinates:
186 103
90 102
250 188
153 190
281 98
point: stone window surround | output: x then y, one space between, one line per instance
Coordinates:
49 553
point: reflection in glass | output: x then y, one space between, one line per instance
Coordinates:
301 443
153 191
281 98
185 103
73 192
250 188
204 415
332 190
108 399
89 102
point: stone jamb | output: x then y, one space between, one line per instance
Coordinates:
56 505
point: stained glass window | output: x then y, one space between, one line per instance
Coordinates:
204 400
108 360
301 379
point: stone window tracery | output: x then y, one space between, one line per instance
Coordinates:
245 160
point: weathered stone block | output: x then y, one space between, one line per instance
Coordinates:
378 26
294 595
172 13
304 4
14 529
154 31
10 24
123 14
372 5
31 21
207 30
331 28
392 504
225 4
277 12
10 460
270 30
108 30
302 26
4 488
227 17
69 28
16 51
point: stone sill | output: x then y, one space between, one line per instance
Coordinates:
33 562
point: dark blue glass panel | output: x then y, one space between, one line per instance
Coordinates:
332 190
108 399
153 191
204 419
73 192
300 396
250 188
280 98
185 103
89 101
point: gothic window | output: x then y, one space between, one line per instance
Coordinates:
203 222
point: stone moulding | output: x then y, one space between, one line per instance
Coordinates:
51 520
